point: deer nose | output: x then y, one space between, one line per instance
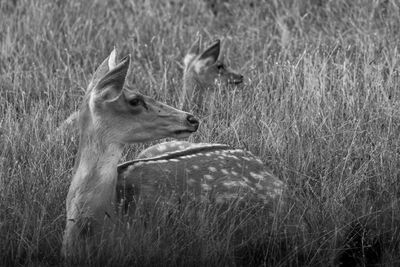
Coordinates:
193 121
238 78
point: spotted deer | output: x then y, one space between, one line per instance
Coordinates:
216 173
111 115
202 73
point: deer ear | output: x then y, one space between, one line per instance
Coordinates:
108 64
111 85
193 51
212 52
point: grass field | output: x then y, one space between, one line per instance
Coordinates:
320 105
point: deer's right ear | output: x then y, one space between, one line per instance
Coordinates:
212 53
111 85
193 51
108 64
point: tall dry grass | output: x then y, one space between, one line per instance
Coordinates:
320 106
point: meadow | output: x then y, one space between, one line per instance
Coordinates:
320 105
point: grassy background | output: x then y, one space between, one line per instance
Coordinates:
320 105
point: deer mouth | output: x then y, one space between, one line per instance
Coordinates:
183 133
235 81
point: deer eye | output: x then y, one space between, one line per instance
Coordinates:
135 102
220 66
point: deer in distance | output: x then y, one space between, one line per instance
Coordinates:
202 72
111 115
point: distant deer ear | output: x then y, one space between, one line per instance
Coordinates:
108 64
211 53
193 51
111 85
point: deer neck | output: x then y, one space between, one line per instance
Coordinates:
194 90
92 191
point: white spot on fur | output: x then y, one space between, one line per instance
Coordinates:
208 177
230 184
257 176
212 169
161 147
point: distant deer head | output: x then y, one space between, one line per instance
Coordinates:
202 72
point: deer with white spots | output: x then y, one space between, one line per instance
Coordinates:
211 172
111 115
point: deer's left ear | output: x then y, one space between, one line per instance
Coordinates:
110 86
